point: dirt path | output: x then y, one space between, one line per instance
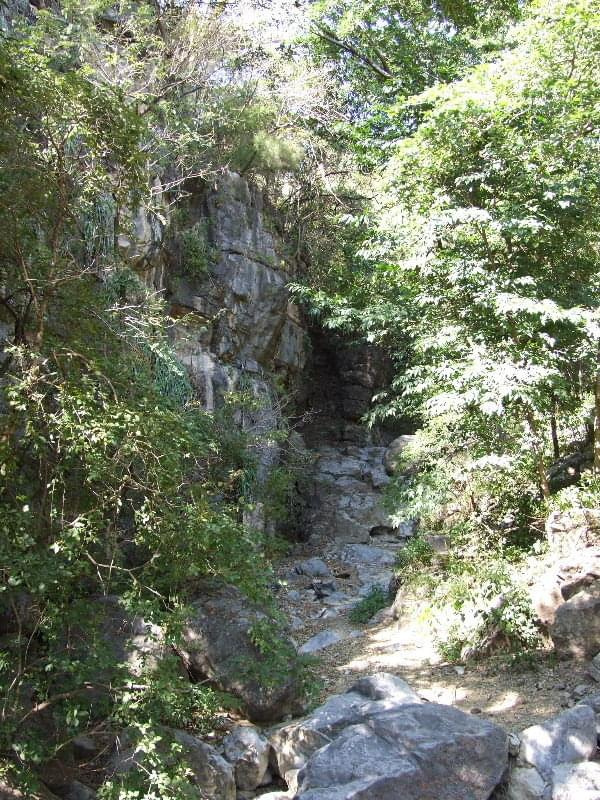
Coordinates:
514 697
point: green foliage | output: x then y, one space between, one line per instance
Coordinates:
479 274
413 558
483 616
384 52
371 603
196 252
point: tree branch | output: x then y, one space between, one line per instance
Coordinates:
381 70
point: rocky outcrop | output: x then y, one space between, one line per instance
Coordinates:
344 500
239 320
380 741
566 598
562 580
220 645
570 531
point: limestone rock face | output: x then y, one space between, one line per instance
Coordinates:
236 325
241 301
218 647
345 501
380 741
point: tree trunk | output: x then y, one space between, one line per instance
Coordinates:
539 454
554 428
597 419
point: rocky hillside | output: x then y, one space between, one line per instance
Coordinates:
374 735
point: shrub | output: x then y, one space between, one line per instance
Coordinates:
374 601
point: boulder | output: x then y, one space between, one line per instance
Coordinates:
294 743
575 630
132 639
210 773
420 752
247 750
526 783
576 781
218 647
546 597
567 738
313 567
368 556
319 641
394 452
572 530
380 741
562 580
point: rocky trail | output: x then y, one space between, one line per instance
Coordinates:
512 697
321 581
393 718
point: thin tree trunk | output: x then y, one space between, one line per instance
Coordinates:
554 428
539 454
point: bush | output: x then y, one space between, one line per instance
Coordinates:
483 610
195 251
374 601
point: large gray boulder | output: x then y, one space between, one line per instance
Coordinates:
218 647
293 744
247 750
568 738
526 783
575 630
380 741
313 567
